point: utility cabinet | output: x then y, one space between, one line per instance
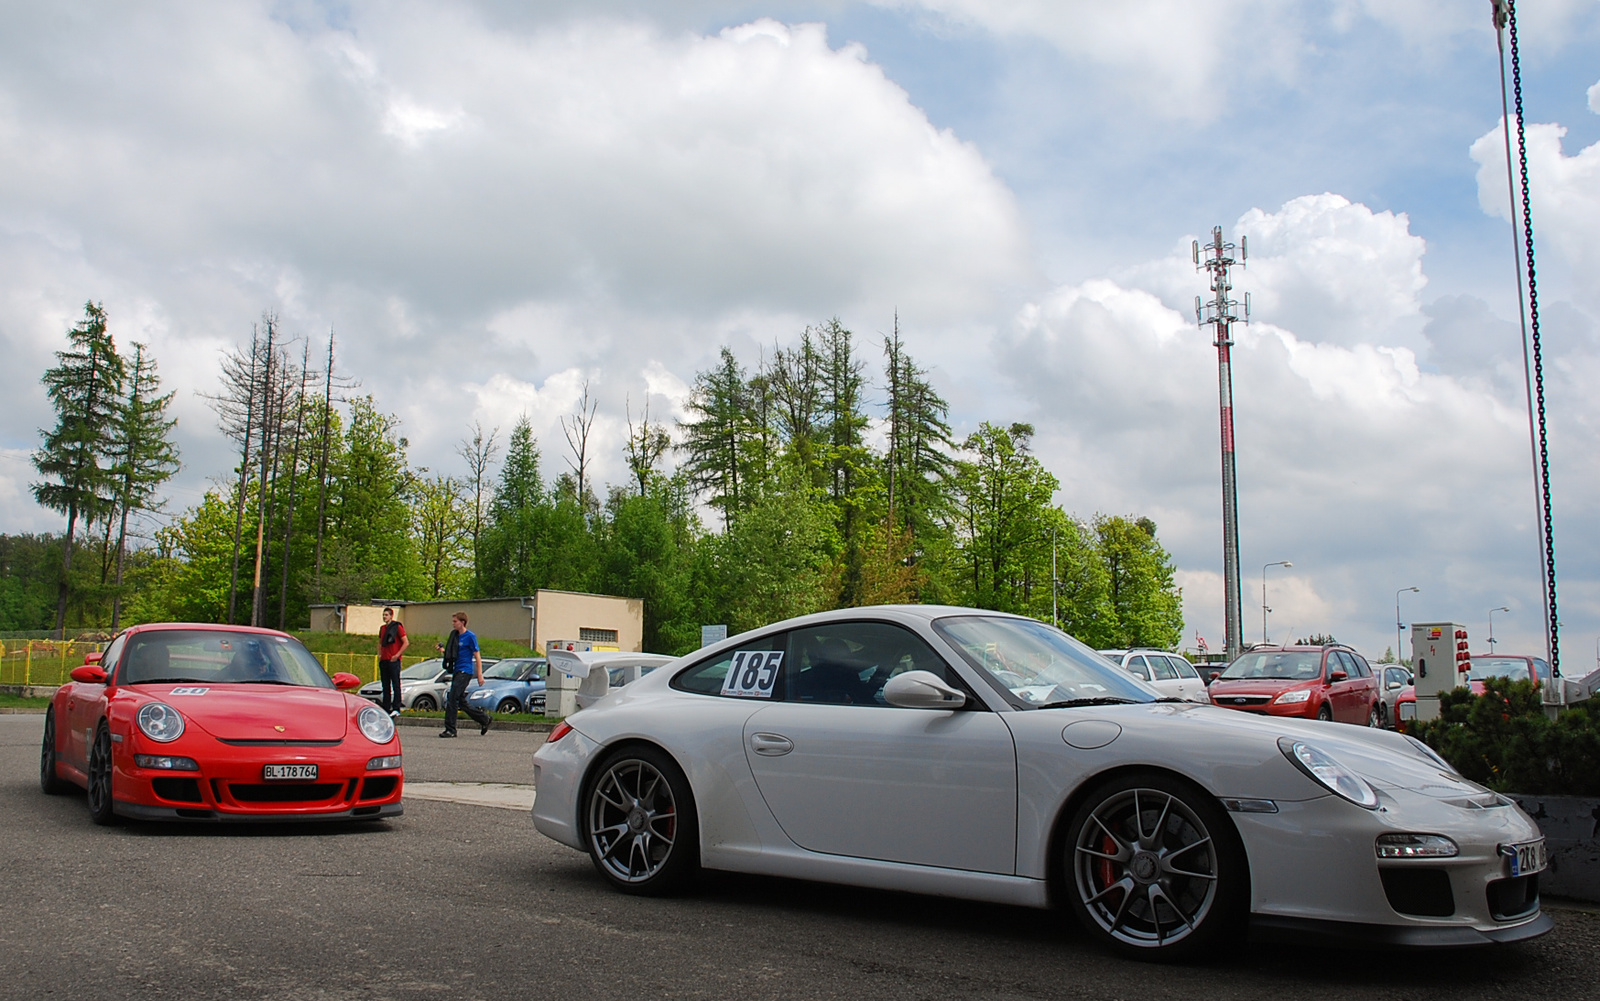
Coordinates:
1439 662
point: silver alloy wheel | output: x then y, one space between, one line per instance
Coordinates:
1145 868
424 703
508 706
1375 717
633 821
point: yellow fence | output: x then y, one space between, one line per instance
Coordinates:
49 662
42 662
362 665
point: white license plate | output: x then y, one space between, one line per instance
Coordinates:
289 771
1526 858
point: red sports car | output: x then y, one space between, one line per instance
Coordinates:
219 723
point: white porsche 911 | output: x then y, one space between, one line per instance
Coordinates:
979 755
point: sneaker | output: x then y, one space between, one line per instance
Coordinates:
447 733
483 727
395 713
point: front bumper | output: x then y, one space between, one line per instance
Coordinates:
1314 868
1277 929
231 787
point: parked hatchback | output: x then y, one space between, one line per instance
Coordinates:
1167 673
1326 682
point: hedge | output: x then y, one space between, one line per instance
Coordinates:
1506 740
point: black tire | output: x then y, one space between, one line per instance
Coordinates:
50 783
639 822
1375 716
1154 869
424 703
508 706
1325 713
101 772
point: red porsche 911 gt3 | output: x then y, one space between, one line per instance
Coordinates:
219 723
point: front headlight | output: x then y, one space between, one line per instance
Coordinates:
160 722
375 725
1293 698
481 693
1327 772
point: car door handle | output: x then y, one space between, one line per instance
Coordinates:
770 744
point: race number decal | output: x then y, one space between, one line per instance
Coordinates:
190 691
752 674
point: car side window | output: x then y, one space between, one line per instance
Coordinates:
1163 671
1184 668
1338 660
848 663
1361 664
706 677
113 652
1541 669
1138 667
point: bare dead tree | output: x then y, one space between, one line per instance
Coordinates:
294 480
478 452
235 407
577 434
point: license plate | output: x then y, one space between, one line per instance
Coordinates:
1526 858
289 771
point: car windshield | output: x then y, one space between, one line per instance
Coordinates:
1290 665
508 670
423 670
219 657
1498 667
1037 664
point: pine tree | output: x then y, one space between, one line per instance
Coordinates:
84 388
717 438
145 456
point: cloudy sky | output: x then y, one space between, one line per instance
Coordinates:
492 203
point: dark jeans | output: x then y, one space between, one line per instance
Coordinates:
389 676
458 700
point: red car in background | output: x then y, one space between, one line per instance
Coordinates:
218 723
1314 682
1482 667
1498 665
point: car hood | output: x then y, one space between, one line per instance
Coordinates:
1255 686
259 712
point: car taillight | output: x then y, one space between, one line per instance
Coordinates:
561 730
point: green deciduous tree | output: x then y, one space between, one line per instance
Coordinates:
1146 606
84 387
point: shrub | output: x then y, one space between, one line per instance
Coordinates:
1505 740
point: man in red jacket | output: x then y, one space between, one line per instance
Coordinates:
392 642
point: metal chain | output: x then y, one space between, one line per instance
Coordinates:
1538 355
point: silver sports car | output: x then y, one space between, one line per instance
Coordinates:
974 754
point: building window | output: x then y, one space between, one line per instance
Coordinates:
597 635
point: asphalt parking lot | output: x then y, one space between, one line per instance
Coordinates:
467 901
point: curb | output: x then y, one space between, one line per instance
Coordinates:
438 724
22 711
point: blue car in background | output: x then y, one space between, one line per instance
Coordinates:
514 685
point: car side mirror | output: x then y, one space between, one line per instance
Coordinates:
345 681
922 690
89 674
1336 676
1395 686
93 658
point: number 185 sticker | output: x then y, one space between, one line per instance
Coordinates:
752 673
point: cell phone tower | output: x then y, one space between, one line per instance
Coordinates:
1222 312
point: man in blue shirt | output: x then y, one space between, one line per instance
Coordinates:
462 657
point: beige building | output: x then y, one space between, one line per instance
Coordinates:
604 620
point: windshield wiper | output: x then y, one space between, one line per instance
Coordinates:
168 681
1098 700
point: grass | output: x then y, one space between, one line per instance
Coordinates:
18 702
421 644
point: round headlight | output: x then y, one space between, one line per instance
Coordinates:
160 722
375 725
1329 773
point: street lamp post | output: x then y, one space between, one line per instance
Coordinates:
1264 608
1502 608
1398 656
